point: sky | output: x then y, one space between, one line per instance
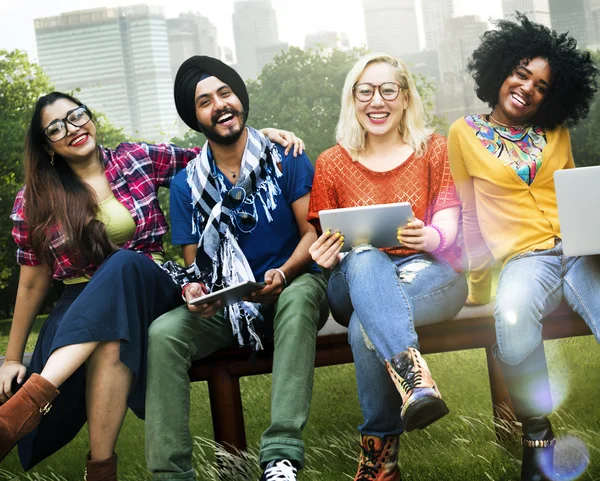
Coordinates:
295 18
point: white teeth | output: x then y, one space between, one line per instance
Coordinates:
77 140
519 99
378 116
225 116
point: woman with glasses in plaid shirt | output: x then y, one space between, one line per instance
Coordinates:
89 217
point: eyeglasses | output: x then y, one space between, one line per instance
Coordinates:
388 91
244 221
57 130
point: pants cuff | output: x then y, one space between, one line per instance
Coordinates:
187 476
282 448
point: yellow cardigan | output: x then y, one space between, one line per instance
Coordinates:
502 215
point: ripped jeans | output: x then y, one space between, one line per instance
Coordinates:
383 298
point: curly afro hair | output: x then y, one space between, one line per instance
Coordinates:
574 72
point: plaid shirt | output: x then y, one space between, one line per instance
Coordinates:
134 172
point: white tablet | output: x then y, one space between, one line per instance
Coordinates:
229 295
577 193
376 225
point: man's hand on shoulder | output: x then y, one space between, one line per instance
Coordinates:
196 290
270 293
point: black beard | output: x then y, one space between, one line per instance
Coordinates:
210 132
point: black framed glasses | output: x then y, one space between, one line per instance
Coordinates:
244 221
365 91
57 129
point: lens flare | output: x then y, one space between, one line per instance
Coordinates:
571 459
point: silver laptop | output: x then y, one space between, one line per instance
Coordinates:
578 197
370 224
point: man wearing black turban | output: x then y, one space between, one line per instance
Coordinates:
239 210
198 68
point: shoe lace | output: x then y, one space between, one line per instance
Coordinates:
411 378
369 467
282 471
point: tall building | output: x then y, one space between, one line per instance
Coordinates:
118 58
255 34
435 15
462 35
391 26
190 34
537 11
327 40
456 96
573 16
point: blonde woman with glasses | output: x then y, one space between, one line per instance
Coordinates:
386 154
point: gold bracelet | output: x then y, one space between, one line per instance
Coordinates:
537 443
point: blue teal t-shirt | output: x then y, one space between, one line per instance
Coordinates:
270 244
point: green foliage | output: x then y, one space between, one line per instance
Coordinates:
300 90
585 140
21 83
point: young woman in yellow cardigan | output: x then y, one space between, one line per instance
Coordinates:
537 83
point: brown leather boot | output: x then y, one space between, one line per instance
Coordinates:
422 402
105 470
23 412
378 459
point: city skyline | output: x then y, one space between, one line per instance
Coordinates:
295 21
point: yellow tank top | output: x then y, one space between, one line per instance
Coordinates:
119 226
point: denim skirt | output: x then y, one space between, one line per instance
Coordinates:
123 297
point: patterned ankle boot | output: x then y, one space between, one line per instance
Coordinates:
378 459
422 402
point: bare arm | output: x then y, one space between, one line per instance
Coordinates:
297 263
34 283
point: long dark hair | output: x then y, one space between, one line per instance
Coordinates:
56 196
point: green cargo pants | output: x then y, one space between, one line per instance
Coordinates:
179 337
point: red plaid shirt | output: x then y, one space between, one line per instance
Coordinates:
135 172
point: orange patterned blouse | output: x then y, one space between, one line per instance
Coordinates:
424 181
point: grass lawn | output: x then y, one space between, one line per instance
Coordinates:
462 446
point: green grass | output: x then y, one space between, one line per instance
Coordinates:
462 446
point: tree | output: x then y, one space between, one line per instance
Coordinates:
21 84
584 137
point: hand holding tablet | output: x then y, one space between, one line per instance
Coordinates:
229 295
376 225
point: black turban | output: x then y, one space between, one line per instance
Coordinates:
188 76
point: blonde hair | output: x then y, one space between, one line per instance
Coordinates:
413 130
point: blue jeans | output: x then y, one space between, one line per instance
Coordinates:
383 298
531 286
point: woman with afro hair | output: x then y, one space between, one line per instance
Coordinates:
537 84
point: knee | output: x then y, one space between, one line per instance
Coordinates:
365 257
518 332
107 353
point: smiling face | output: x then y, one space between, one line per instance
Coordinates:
80 142
523 92
380 117
219 111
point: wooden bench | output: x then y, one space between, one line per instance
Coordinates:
472 328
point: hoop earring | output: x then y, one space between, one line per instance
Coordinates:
51 158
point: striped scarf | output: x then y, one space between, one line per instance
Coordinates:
219 260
